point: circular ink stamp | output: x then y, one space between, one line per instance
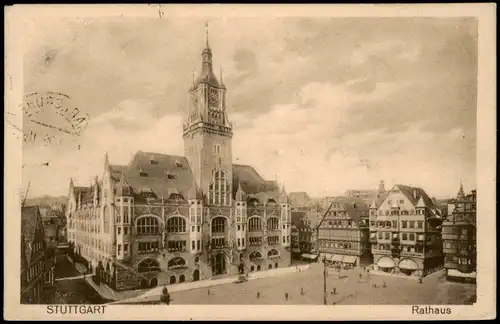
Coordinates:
48 117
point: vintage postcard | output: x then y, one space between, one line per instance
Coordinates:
292 162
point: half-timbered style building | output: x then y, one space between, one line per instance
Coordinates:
405 232
459 236
37 280
343 233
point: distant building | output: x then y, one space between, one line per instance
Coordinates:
305 221
405 232
368 195
299 199
165 219
343 233
37 277
459 236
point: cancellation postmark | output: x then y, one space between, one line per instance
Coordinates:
47 117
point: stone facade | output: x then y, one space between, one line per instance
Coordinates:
177 219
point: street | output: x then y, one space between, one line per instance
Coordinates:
350 291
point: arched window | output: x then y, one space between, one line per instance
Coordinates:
218 225
148 265
253 202
272 224
177 263
147 226
272 254
218 190
176 225
270 266
255 255
254 224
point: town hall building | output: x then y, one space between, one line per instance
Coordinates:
165 219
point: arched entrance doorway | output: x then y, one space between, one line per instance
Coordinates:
196 275
182 278
154 282
172 280
218 264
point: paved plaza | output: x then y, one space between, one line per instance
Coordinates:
350 290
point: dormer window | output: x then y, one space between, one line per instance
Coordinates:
142 173
169 175
152 161
178 164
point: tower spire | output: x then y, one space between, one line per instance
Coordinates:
206 34
461 193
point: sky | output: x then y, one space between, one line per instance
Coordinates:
321 104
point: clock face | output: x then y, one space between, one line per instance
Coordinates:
214 97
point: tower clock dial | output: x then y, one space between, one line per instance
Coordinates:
214 96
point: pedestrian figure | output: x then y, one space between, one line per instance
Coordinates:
209 292
286 296
302 291
420 280
360 276
384 285
258 295
334 290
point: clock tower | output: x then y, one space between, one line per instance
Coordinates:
207 134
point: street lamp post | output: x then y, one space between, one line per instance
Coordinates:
324 281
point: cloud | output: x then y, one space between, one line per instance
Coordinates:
328 103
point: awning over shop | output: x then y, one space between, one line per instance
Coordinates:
385 262
408 264
456 273
337 257
420 237
373 235
349 259
309 256
327 256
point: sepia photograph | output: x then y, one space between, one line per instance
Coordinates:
170 159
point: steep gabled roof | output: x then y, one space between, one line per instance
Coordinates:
297 217
414 194
162 174
299 198
251 181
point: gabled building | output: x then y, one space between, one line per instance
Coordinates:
299 199
459 236
36 274
165 219
405 232
343 233
367 195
